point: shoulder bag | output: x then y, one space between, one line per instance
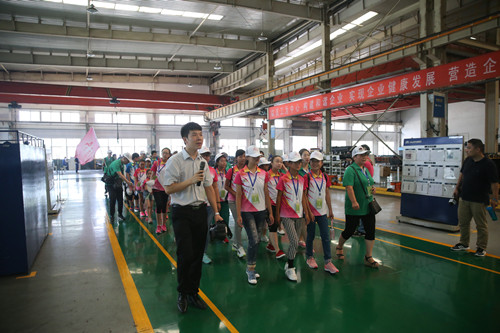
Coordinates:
373 205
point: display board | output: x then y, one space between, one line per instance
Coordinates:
431 168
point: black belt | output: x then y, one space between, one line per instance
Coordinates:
194 207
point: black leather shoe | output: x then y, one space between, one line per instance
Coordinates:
196 301
182 303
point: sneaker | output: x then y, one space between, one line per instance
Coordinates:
311 262
257 275
302 244
460 247
480 252
206 259
280 254
121 218
290 273
264 239
359 234
164 228
225 241
235 247
150 220
142 215
146 213
252 279
270 248
158 230
281 232
136 209
241 252
330 268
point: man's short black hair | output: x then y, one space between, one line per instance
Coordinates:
476 143
239 152
188 128
135 155
153 152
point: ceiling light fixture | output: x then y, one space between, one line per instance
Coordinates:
89 78
90 54
91 9
114 100
261 37
473 38
190 85
218 66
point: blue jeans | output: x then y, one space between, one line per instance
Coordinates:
254 223
325 236
361 227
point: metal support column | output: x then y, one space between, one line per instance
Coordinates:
270 124
326 48
491 117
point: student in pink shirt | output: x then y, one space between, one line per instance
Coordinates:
274 177
205 153
147 188
230 187
252 201
159 193
139 177
291 206
320 206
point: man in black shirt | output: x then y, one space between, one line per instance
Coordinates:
478 179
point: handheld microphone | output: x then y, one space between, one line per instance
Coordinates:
202 167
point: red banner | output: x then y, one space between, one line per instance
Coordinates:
474 69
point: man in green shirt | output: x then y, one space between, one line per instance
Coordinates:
107 160
114 185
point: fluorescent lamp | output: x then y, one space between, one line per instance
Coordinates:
364 18
59 1
473 38
129 8
215 17
150 10
76 2
195 15
336 33
171 12
102 4
218 66
348 26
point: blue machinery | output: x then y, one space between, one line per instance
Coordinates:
24 222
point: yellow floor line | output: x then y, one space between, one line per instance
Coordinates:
141 319
423 239
438 256
210 304
32 274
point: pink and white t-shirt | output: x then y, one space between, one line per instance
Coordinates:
158 169
291 199
231 175
271 186
317 190
221 182
213 173
252 185
140 174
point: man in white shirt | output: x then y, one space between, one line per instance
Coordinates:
189 188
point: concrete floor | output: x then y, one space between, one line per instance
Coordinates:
78 288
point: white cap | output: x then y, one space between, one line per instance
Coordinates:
284 157
219 155
317 155
143 152
294 157
129 191
204 150
110 152
148 159
263 161
359 151
128 156
252 151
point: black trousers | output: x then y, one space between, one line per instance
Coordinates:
161 198
190 229
115 194
351 224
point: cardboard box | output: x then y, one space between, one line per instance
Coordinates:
385 171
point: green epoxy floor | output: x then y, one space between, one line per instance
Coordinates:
412 291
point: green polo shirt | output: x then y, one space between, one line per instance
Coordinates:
350 179
115 166
303 172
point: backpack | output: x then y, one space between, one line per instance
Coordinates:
219 230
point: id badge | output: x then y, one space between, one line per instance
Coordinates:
222 194
319 203
297 207
255 198
369 190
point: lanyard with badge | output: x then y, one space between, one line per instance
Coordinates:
296 189
319 200
255 196
222 176
368 187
